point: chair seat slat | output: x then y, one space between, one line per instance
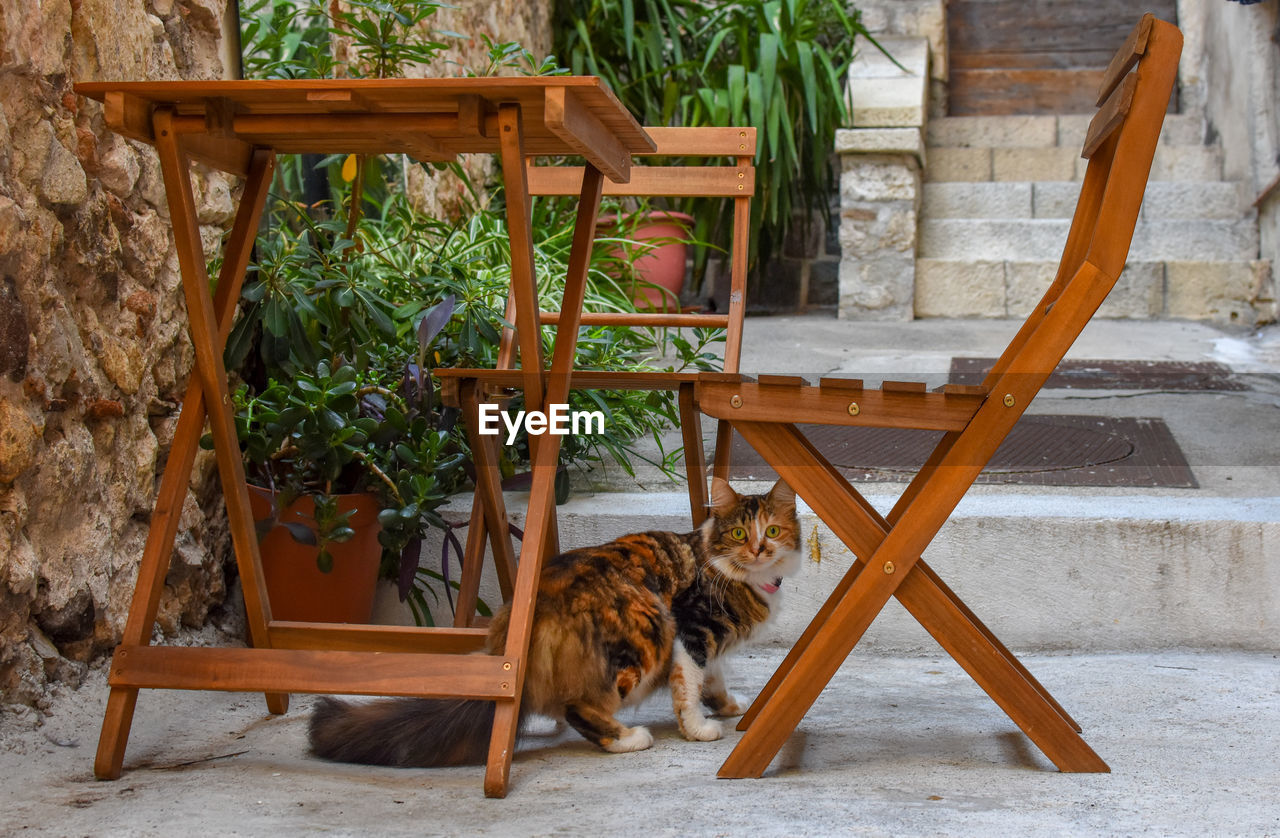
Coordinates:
1110 116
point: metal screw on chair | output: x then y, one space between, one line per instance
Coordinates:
854 410
736 401
888 567
1009 400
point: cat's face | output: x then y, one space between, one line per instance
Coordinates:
753 538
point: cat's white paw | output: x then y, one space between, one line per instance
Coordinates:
708 730
734 705
635 739
543 726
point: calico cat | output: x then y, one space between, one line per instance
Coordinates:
611 623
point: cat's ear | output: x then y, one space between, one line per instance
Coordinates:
723 497
782 496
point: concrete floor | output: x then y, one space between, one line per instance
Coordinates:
896 746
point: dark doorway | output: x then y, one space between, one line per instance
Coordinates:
1036 56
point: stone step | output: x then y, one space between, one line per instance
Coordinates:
1057 199
1043 131
1055 163
1168 567
1022 240
1194 289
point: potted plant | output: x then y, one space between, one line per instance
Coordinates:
335 412
354 296
775 65
342 440
652 251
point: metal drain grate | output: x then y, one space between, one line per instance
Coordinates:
1041 450
1116 375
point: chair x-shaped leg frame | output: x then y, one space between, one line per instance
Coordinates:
889 548
892 569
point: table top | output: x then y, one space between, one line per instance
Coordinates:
430 119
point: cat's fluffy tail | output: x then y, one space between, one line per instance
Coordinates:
418 732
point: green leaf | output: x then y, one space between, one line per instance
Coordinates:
373 307
330 420
240 341
810 80
276 318
768 63
253 292
714 47
300 533
737 93
755 97
628 25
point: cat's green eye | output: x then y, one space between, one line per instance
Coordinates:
738 533
773 531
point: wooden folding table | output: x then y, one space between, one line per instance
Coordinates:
239 127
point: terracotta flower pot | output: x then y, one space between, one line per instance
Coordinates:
664 265
298 590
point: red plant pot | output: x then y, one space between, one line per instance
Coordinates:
664 264
298 590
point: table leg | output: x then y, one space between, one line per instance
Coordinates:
177 473
541 515
213 377
524 285
695 464
472 566
488 515
723 451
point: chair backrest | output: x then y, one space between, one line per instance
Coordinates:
733 181
1120 145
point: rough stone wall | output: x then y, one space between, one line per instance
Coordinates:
527 23
93 351
94 354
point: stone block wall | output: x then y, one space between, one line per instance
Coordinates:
1231 68
94 354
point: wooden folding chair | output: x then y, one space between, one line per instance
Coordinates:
1120 145
467 388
